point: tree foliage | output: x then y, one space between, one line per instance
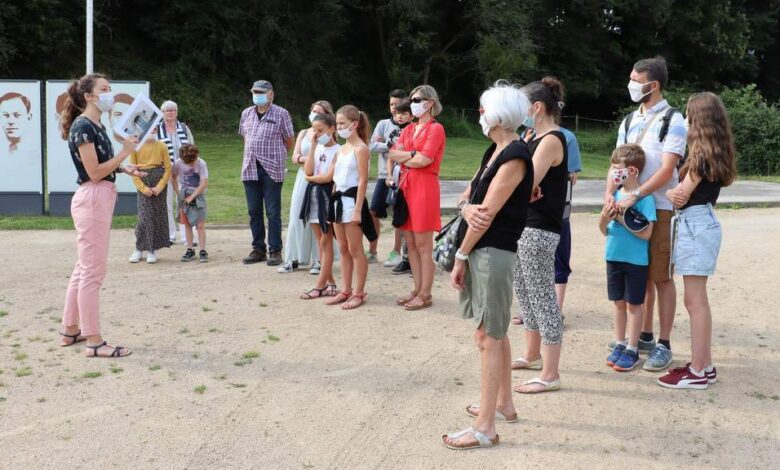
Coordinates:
204 54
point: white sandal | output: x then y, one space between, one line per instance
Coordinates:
548 386
482 440
522 363
499 415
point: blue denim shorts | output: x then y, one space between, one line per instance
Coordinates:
697 243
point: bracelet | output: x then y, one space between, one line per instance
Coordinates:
461 205
459 255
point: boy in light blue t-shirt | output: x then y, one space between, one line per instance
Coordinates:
627 255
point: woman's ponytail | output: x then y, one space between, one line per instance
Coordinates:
364 127
75 103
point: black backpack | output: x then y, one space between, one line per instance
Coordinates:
667 119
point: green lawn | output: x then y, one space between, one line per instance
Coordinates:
227 205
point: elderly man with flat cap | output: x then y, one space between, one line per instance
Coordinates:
268 135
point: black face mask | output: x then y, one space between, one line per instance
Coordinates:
403 125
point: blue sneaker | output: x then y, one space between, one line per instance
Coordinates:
616 353
628 360
646 346
659 359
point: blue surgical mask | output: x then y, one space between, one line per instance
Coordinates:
323 139
312 115
260 100
529 122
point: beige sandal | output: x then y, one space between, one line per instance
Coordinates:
473 411
547 386
522 363
482 440
426 302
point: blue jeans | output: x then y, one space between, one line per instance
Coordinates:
264 191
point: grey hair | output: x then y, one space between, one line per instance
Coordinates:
505 105
169 105
655 68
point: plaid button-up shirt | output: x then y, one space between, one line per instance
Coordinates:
264 142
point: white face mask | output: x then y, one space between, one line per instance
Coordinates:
345 133
485 126
418 109
619 175
312 115
635 90
323 139
105 101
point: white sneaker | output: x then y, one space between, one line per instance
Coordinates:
392 259
315 268
287 267
135 257
151 258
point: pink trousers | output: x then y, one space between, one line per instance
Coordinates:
92 208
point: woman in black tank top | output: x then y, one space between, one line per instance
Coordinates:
535 264
494 211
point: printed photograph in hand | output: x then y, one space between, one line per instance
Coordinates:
139 119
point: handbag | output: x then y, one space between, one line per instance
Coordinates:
446 244
392 195
400 209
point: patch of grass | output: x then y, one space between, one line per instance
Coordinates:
3 313
41 400
154 367
200 389
92 375
250 355
273 338
263 304
221 377
116 369
184 331
195 355
20 356
214 330
206 309
23 371
238 385
35 339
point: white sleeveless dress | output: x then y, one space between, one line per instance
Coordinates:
301 244
346 176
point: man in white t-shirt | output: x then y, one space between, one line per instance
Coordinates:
662 134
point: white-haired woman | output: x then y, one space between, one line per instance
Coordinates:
494 209
173 133
419 151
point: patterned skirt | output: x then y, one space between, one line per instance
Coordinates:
151 233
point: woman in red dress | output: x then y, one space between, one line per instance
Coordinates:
419 151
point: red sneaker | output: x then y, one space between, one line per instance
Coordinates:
711 372
683 378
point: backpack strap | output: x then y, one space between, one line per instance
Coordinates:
666 121
627 126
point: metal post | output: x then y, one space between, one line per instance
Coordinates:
90 37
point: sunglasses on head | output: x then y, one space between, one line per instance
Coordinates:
419 100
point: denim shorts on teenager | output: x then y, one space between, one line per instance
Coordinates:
696 247
626 281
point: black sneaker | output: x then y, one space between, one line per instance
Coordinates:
204 257
254 257
403 267
189 255
274 258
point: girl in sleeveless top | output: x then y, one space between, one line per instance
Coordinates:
319 168
535 265
348 210
301 246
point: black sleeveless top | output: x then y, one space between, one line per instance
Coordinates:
547 212
706 192
509 222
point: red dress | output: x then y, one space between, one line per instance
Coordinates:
421 185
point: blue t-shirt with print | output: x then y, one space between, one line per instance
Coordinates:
624 246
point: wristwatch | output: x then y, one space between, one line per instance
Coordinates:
636 193
413 153
461 256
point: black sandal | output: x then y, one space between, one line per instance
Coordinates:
74 339
307 295
117 352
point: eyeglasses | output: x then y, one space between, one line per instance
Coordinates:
419 100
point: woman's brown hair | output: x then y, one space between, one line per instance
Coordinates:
324 105
353 114
75 103
189 153
711 152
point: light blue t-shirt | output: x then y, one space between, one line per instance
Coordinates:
624 246
573 148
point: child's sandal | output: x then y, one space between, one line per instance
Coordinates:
340 298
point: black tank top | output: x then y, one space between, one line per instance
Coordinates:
547 212
706 192
509 222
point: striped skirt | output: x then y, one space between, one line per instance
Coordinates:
151 233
